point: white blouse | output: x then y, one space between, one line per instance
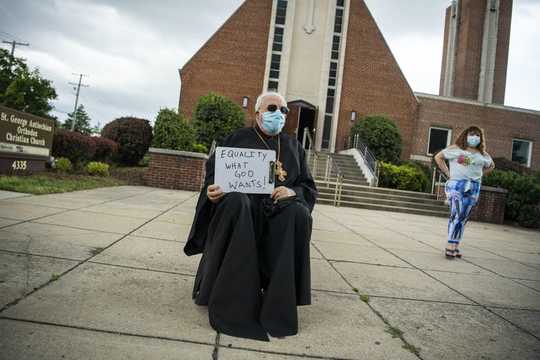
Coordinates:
466 165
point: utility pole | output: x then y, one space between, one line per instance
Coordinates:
13 44
79 84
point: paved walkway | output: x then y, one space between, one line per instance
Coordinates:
99 274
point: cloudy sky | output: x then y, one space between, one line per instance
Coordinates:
131 49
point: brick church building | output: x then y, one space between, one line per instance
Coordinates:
333 65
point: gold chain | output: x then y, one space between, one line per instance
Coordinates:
278 167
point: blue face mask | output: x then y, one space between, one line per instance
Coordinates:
473 140
273 122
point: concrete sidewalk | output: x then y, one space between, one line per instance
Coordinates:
100 274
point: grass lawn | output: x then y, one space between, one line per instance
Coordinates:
48 183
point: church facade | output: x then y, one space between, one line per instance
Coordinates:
333 65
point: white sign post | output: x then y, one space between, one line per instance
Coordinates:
249 171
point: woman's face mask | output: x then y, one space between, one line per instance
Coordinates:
473 140
273 122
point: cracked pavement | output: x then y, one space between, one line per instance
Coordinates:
100 274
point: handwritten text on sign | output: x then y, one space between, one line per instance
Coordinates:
244 170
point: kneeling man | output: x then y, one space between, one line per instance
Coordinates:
255 268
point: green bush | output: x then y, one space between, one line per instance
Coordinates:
402 177
171 131
97 168
216 117
502 163
523 198
133 136
381 136
200 148
63 165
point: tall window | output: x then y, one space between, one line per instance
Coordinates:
522 151
277 45
332 74
438 139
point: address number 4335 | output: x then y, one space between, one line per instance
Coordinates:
19 165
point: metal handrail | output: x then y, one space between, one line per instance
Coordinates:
331 168
370 159
438 180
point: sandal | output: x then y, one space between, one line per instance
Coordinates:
457 253
449 253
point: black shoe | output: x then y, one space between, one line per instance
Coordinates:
457 253
449 253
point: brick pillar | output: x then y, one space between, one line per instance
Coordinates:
490 207
173 169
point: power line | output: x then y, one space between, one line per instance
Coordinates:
79 84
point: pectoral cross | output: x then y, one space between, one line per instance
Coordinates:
280 172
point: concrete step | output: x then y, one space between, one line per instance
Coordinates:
380 190
400 209
384 196
347 181
438 206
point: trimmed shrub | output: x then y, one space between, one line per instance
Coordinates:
402 177
97 168
216 117
381 136
523 198
133 136
171 131
505 164
78 148
200 148
63 165
106 149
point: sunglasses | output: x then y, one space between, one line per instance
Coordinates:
272 108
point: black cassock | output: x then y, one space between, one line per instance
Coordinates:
255 266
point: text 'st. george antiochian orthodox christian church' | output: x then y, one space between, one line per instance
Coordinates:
332 63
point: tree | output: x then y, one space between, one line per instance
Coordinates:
381 136
82 125
22 89
216 117
171 131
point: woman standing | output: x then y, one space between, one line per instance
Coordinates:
469 161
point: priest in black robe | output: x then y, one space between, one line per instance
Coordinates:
255 265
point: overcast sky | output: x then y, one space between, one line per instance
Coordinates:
131 49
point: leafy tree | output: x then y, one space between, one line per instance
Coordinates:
216 117
82 124
171 131
381 136
22 89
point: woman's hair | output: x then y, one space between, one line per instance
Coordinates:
461 141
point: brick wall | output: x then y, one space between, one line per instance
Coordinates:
469 48
501 124
372 80
490 206
503 45
172 169
232 62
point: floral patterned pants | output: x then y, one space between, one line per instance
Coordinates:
462 197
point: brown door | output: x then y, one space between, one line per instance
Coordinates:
291 125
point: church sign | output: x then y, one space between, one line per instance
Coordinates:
25 141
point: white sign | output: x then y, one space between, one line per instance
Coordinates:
247 171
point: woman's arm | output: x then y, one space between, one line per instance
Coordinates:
439 159
489 168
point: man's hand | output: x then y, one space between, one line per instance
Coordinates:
214 193
282 192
